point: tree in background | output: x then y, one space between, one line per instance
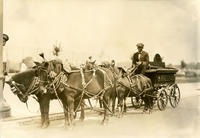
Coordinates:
183 64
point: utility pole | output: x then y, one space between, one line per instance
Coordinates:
4 107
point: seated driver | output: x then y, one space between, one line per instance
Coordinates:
140 59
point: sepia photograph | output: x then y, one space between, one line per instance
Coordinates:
99 68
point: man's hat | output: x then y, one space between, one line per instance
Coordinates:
140 45
5 37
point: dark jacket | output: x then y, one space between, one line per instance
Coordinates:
144 57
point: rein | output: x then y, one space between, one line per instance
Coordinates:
57 80
31 90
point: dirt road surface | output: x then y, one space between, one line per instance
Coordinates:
181 122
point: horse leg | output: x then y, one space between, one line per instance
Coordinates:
114 96
70 103
106 103
120 105
82 117
120 101
81 104
146 104
75 115
44 108
125 107
150 103
42 113
65 109
100 104
46 111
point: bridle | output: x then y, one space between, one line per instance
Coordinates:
32 89
42 69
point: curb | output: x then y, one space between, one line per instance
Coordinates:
33 119
29 120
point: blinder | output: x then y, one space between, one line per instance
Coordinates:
40 70
15 89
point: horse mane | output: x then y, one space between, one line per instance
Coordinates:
55 65
142 81
25 77
25 74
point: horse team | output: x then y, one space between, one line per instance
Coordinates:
48 80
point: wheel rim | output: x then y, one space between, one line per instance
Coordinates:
162 100
174 96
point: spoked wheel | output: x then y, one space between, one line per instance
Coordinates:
162 100
136 103
174 96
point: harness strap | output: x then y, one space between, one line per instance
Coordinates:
33 87
66 109
57 80
16 87
84 84
130 89
106 77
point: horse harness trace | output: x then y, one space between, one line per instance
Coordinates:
61 78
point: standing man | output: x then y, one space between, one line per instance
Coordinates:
5 109
5 39
140 59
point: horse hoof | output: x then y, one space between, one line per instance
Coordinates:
150 111
100 113
144 112
44 126
69 127
120 115
104 123
81 119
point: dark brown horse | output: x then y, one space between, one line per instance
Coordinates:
138 86
26 83
72 88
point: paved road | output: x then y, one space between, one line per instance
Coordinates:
184 121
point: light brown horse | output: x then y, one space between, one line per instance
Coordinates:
78 85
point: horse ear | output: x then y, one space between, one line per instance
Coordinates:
36 73
93 62
37 63
42 55
8 82
46 64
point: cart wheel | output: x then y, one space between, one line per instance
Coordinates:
162 100
174 96
136 104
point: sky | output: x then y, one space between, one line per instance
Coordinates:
104 29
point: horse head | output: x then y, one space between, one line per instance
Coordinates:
20 83
47 71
